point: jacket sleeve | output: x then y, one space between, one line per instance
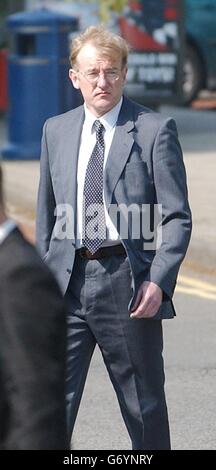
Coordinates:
171 192
45 218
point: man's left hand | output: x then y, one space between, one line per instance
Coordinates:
148 300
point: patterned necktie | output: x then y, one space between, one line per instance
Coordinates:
94 225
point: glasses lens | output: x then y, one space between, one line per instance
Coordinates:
92 77
110 75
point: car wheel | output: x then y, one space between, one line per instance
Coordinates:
192 75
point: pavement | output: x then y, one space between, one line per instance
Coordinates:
198 139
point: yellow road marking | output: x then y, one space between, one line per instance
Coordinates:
196 293
191 286
197 283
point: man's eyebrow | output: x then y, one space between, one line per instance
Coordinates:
94 68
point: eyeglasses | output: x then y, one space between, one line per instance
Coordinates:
93 77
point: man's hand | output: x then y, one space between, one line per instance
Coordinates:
148 301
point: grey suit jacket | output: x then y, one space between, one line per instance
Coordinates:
144 166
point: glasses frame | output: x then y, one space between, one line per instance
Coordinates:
95 80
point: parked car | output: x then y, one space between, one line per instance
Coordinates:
200 48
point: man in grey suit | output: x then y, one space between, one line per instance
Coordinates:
103 164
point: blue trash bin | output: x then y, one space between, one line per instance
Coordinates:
38 85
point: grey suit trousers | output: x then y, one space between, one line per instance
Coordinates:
98 296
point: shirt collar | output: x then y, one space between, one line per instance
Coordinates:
108 120
6 228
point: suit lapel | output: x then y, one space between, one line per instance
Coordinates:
70 153
118 155
120 149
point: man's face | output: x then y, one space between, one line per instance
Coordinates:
100 79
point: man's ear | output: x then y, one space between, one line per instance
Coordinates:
74 78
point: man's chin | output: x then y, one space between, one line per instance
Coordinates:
105 104
106 100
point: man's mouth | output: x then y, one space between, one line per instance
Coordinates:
102 93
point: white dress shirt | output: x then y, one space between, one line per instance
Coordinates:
87 143
6 228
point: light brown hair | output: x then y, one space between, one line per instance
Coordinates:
106 41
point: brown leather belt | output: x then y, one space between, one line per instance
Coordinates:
104 252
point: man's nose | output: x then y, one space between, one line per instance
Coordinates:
102 80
